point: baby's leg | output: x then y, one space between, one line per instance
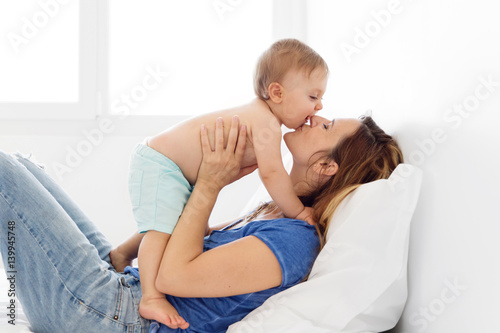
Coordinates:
153 304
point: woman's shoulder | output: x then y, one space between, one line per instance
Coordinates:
286 232
294 243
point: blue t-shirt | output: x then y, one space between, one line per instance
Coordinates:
294 243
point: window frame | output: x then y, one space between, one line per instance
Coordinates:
289 21
87 105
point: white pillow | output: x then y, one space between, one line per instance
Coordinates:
358 282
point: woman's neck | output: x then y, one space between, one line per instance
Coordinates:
299 180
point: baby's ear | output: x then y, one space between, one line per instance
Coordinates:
275 91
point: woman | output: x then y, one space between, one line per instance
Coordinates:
64 277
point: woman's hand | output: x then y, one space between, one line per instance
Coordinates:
223 165
239 267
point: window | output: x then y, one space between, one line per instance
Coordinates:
184 57
48 59
77 59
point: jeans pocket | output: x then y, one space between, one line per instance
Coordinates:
134 187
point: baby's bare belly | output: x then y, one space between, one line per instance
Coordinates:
182 144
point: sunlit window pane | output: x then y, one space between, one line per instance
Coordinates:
39 51
184 57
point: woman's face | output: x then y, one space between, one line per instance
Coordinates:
321 135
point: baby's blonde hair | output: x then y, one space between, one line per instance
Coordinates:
283 56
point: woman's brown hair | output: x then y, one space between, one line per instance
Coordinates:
367 155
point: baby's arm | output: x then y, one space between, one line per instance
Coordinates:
267 144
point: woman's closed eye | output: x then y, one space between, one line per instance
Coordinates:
313 97
325 126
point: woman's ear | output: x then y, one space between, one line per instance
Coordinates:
275 91
325 167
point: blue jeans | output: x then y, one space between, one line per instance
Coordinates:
60 261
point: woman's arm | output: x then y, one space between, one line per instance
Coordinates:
243 266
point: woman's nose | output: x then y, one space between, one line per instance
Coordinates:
317 120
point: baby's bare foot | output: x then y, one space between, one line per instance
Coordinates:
118 260
161 310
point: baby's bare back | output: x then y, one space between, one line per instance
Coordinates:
181 143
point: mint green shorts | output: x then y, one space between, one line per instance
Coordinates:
158 190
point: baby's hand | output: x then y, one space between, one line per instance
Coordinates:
307 214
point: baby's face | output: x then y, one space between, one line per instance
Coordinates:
302 96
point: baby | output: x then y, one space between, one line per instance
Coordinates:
290 80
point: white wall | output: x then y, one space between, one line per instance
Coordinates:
413 72
422 70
